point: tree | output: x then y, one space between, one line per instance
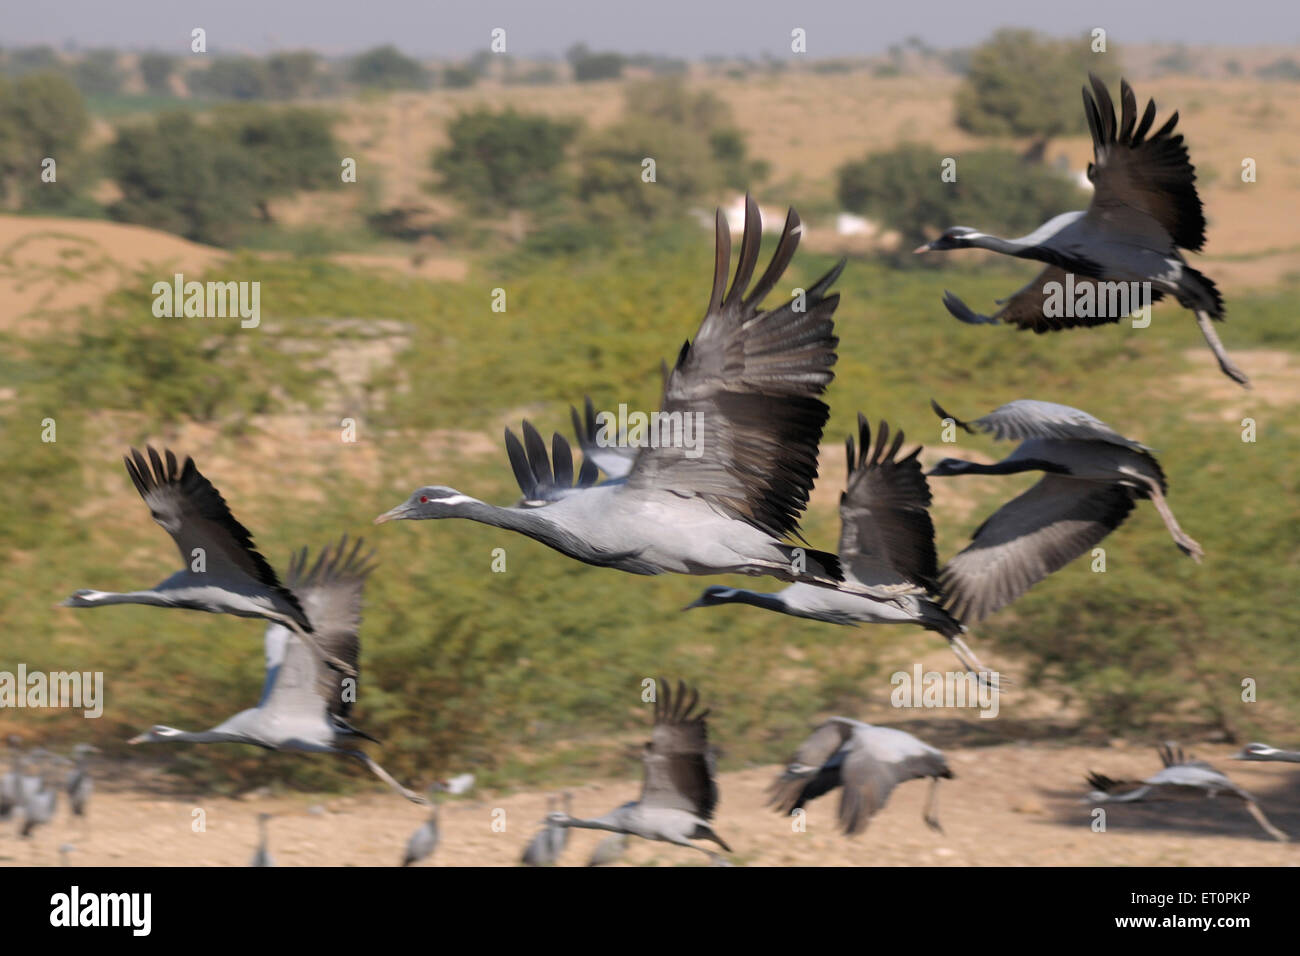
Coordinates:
288 150
32 59
1021 83
156 70
459 77
386 68
588 66
995 190
41 115
175 175
291 75
97 73
505 160
612 165
697 113
232 78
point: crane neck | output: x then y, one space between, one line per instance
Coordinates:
531 522
1008 466
1007 247
770 601
523 520
596 823
197 737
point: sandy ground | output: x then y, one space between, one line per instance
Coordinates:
1010 805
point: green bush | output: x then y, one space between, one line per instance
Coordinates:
505 160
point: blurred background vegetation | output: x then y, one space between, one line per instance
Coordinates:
527 674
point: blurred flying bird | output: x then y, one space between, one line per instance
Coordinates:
305 705
1144 209
886 540
721 502
224 573
680 791
867 762
1183 778
1093 476
1265 752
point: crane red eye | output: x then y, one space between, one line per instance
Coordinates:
424 499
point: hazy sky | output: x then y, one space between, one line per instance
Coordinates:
686 28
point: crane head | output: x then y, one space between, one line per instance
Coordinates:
1255 751
711 596
155 734
950 466
957 237
431 501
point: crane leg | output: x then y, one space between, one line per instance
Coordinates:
972 663
1262 820
1185 542
931 815
1216 346
385 776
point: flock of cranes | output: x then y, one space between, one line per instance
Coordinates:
755 377
29 791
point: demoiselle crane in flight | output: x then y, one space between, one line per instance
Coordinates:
886 540
305 705
719 505
1183 778
867 762
1144 210
680 791
223 573
1259 751
1093 476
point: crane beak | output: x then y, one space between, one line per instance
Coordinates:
698 602
392 515
925 247
139 739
